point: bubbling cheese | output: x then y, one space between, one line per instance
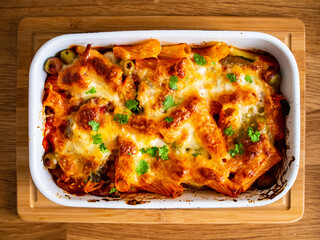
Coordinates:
174 102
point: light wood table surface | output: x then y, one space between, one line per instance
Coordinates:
12 11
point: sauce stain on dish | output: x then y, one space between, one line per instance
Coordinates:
135 202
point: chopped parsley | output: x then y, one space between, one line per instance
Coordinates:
113 190
121 118
173 82
168 103
196 154
94 125
254 135
151 151
228 131
213 63
232 77
163 152
97 139
187 78
85 180
132 105
129 153
200 60
248 78
143 150
169 119
103 148
142 167
91 91
238 149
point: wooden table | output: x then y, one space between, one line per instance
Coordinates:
12 227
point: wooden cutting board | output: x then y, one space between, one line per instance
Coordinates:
33 206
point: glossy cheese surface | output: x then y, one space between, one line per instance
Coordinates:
158 118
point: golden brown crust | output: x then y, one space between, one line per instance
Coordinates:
93 110
181 115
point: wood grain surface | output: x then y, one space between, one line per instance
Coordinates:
11 227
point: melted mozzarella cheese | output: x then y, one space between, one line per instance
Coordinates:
102 90
208 81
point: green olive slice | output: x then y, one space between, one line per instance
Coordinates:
67 56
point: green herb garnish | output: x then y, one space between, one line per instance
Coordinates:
200 60
213 63
132 105
152 151
248 78
121 118
173 82
113 190
142 167
168 103
129 153
103 148
228 131
97 139
94 125
196 154
169 119
143 150
254 135
238 149
91 91
163 152
232 77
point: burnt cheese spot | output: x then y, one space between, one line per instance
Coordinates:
112 74
192 103
266 75
100 67
143 125
85 115
179 116
207 173
126 147
177 170
178 69
71 78
183 113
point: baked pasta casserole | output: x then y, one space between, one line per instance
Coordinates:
162 118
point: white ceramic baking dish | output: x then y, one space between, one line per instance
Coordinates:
190 199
